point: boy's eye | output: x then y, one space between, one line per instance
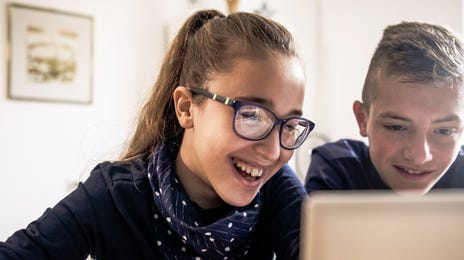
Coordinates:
446 131
394 127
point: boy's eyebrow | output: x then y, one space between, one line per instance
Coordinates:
394 116
452 117
449 118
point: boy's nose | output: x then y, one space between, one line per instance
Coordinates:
417 149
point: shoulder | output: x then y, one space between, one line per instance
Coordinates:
110 207
114 183
122 171
344 164
460 158
123 182
457 167
453 177
118 176
121 195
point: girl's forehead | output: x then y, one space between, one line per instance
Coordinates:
257 73
279 82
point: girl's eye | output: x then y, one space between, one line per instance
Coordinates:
446 131
250 115
394 127
289 127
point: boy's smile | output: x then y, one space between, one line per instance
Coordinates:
414 132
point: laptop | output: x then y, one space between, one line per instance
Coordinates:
366 225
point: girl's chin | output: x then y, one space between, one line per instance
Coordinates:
240 201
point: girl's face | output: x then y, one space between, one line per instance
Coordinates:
213 161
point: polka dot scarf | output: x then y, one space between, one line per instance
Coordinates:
181 232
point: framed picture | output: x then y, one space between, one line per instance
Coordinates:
50 55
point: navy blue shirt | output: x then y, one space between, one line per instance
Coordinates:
346 165
110 216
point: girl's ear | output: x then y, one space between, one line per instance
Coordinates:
183 103
361 116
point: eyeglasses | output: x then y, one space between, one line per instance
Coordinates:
255 122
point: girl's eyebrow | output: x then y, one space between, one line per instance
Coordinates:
269 104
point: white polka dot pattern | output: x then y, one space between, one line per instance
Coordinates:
181 232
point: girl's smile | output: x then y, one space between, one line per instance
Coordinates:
250 163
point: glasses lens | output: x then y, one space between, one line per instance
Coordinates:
294 132
253 122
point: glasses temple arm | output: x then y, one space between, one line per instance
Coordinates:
216 97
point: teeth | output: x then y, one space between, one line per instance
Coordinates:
256 173
248 169
412 171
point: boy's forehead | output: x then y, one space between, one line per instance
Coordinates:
392 85
402 96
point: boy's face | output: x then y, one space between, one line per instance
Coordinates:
414 133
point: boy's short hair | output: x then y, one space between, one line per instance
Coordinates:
418 53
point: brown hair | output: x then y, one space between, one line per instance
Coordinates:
416 52
208 42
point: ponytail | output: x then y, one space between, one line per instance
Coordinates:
157 120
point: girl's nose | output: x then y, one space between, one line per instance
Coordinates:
269 147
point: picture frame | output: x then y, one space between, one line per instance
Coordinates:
50 55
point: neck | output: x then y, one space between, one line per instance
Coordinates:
198 189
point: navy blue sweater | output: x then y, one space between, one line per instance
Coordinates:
110 216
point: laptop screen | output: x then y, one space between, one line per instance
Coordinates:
379 225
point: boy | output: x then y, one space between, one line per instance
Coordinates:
412 113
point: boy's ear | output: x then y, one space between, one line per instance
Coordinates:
361 117
182 98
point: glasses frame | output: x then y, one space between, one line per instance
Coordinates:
237 104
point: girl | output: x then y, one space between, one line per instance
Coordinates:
205 174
